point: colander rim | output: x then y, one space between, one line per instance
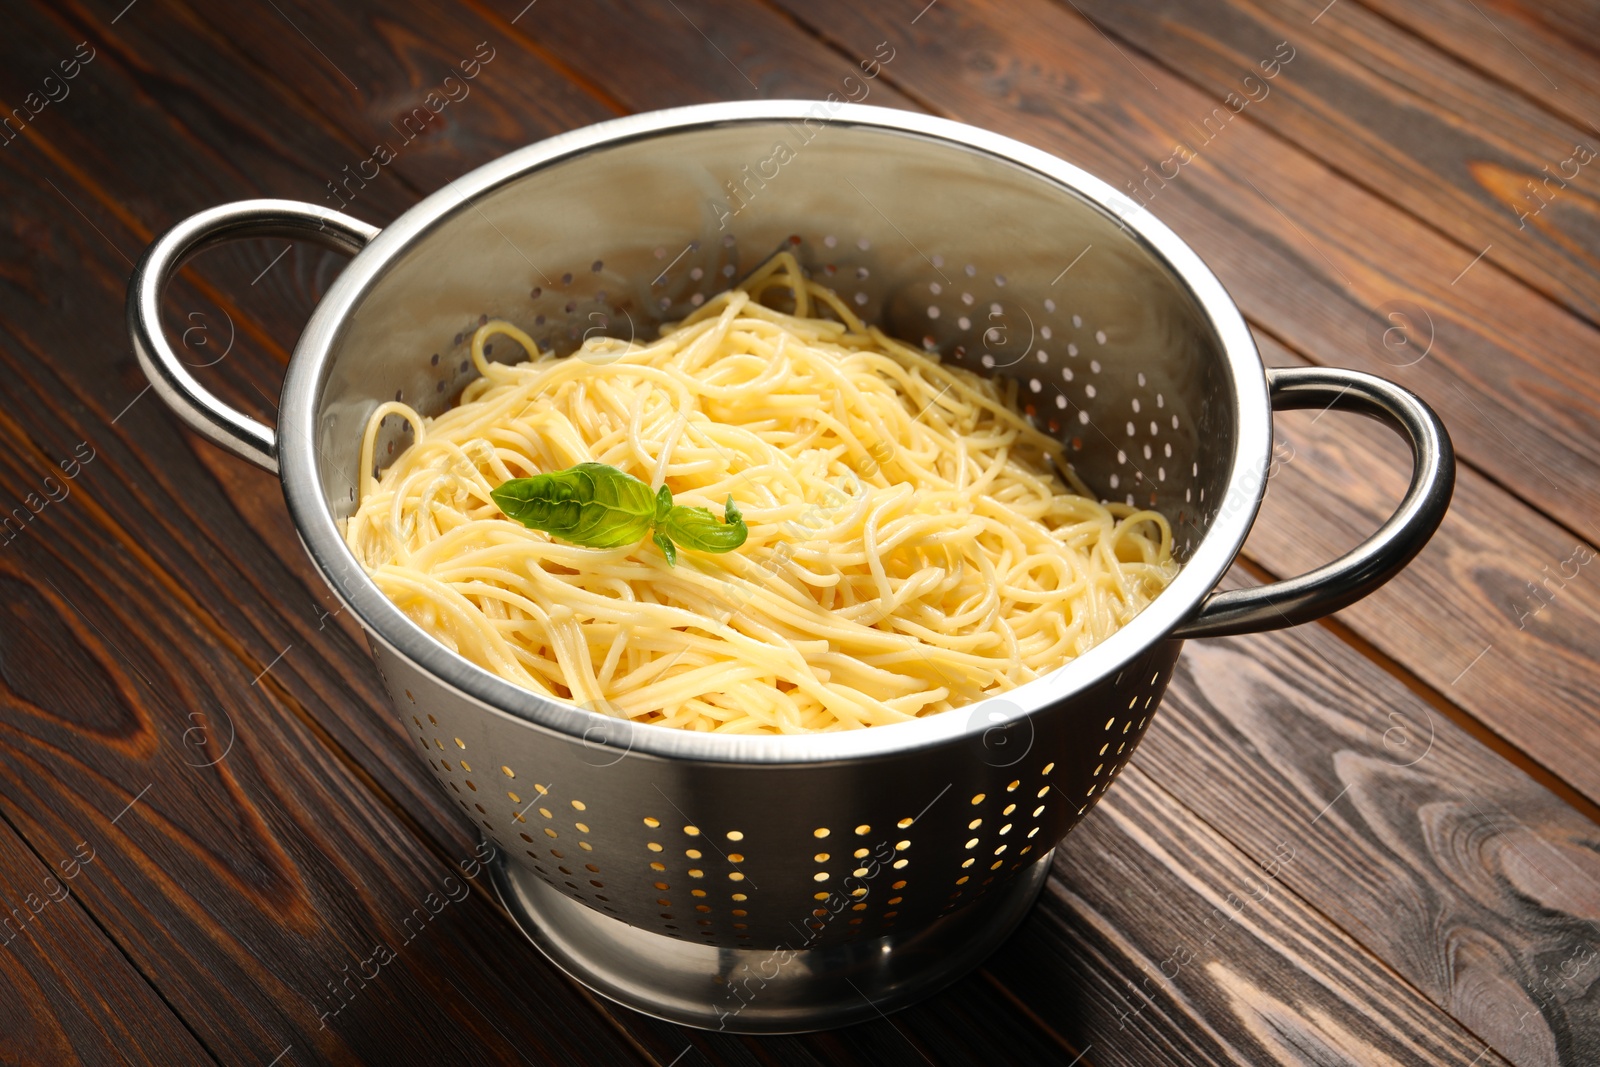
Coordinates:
384 622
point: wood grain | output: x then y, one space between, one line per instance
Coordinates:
66 993
97 162
1498 613
276 853
75 269
128 635
1476 885
1544 50
1311 258
396 59
1412 124
316 831
1160 942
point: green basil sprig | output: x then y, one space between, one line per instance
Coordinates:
598 506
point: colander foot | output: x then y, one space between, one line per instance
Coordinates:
762 990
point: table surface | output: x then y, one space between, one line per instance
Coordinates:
1371 840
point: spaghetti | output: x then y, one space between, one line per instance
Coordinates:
914 544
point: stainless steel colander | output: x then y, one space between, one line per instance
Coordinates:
770 884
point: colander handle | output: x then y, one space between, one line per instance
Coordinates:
205 414
1377 559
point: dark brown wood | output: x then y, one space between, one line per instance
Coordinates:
169 583
1497 614
395 61
163 631
1543 50
115 671
1473 883
66 993
1414 125
1312 259
1160 942
104 398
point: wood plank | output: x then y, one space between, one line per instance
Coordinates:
1311 258
197 126
249 887
1410 123
713 51
1498 614
88 139
1476 885
1545 50
1160 942
66 993
395 60
139 138
246 887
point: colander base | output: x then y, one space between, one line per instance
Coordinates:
762 990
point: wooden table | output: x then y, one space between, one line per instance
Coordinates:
1368 841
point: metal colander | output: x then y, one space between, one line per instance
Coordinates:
789 883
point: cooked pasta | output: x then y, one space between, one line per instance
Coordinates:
914 544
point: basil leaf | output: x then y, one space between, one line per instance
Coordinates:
598 506
698 529
668 549
592 504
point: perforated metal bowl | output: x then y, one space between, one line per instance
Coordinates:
790 883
